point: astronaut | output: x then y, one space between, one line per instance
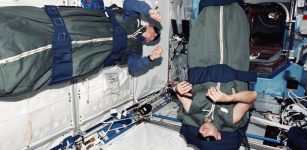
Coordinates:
218 103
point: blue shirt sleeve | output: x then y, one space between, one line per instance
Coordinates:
136 63
135 7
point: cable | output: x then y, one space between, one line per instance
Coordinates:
286 11
210 112
112 122
296 102
293 115
282 118
302 98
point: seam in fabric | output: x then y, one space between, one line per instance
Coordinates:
44 48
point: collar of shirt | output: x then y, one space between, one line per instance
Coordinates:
140 37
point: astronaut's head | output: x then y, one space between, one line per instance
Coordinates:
150 33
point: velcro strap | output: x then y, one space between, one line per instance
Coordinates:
219 73
61 48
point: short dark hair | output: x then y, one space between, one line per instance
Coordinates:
157 30
143 29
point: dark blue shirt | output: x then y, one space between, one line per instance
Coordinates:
134 8
137 63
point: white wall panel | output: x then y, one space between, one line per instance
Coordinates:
74 3
55 142
102 91
31 118
37 3
14 132
156 78
50 115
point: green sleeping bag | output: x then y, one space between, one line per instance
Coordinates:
25 44
220 35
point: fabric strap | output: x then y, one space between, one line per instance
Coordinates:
61 48
219 73
207 3
119 39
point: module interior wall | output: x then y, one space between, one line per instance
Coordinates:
37 3
34 117
156 78
99 93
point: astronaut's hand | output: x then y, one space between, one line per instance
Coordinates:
217 95
184 88
155 14
156 53
208 129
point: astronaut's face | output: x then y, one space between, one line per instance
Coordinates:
149 34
